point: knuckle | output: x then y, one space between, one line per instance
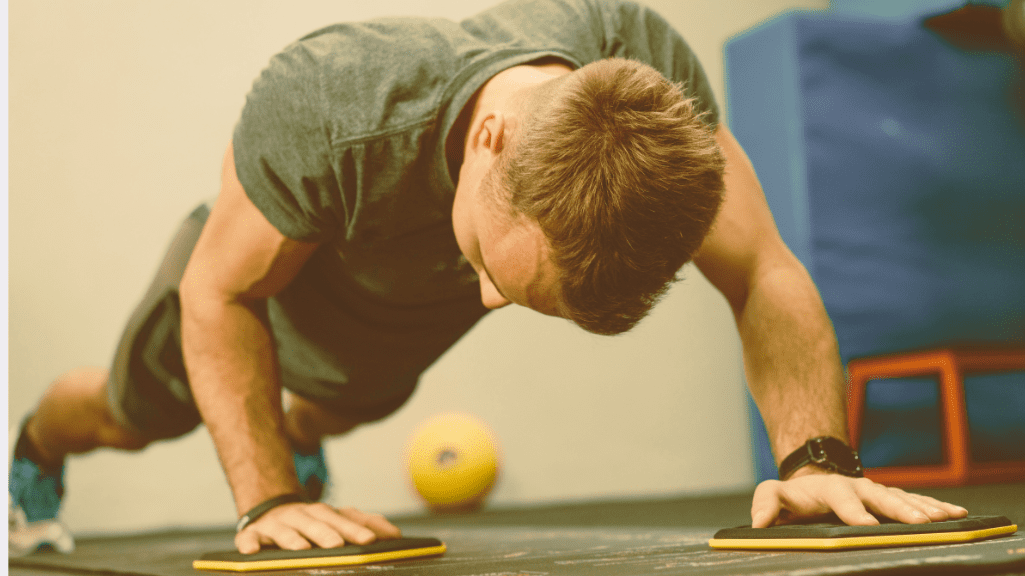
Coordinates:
293 541
864 482
272 515
327 538
897 497
321 506
257 527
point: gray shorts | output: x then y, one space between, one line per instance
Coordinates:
148 386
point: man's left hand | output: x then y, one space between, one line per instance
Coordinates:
812 493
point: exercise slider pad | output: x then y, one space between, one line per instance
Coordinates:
834 536
349 555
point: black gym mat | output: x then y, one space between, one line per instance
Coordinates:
651 537
538 550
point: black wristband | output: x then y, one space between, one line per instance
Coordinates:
264 507
825 452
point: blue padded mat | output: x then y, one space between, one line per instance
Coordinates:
894 164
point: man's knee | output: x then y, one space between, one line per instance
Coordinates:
115 435
138 415
111 431
308 422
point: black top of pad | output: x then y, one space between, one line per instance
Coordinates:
887 527
347 550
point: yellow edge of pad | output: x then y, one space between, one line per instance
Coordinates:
285 564
881 541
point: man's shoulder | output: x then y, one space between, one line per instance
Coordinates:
512 18
362 79
369 45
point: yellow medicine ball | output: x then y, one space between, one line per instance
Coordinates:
453 462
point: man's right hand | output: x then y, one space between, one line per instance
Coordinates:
318 525
239 261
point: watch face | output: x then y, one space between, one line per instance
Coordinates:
837 455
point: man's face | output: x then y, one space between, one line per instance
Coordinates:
509 253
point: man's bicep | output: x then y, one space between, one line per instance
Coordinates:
744 238
240 254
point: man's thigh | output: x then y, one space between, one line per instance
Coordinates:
148 387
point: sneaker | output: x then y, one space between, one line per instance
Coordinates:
25 537
33 501
36 491
311 469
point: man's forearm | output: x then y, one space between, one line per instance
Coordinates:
229 355
791 359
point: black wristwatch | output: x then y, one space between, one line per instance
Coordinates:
825 452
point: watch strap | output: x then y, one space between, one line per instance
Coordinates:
266 506
825 452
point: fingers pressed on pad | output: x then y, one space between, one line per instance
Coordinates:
302 526
377 523
348 555
892 503
848 505
270 533
322 529
952 511
855 501
766 504
247 542
340 526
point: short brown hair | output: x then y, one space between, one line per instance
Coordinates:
625 180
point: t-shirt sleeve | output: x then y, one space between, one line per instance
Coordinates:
282 149
635 31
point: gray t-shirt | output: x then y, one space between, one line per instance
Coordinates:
342 142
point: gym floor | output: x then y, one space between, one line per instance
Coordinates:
618 538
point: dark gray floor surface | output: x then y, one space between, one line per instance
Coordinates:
618 538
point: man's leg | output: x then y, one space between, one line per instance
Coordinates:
308 422
143 398
306 425
74 417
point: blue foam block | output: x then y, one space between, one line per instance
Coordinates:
894 164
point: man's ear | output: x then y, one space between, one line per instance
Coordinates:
492 132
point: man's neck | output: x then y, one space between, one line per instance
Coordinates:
455 143
499 92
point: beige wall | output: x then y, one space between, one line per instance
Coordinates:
119 113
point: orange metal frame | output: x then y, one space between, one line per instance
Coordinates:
950 365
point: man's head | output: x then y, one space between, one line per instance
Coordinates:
609 177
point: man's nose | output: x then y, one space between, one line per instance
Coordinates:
490 296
